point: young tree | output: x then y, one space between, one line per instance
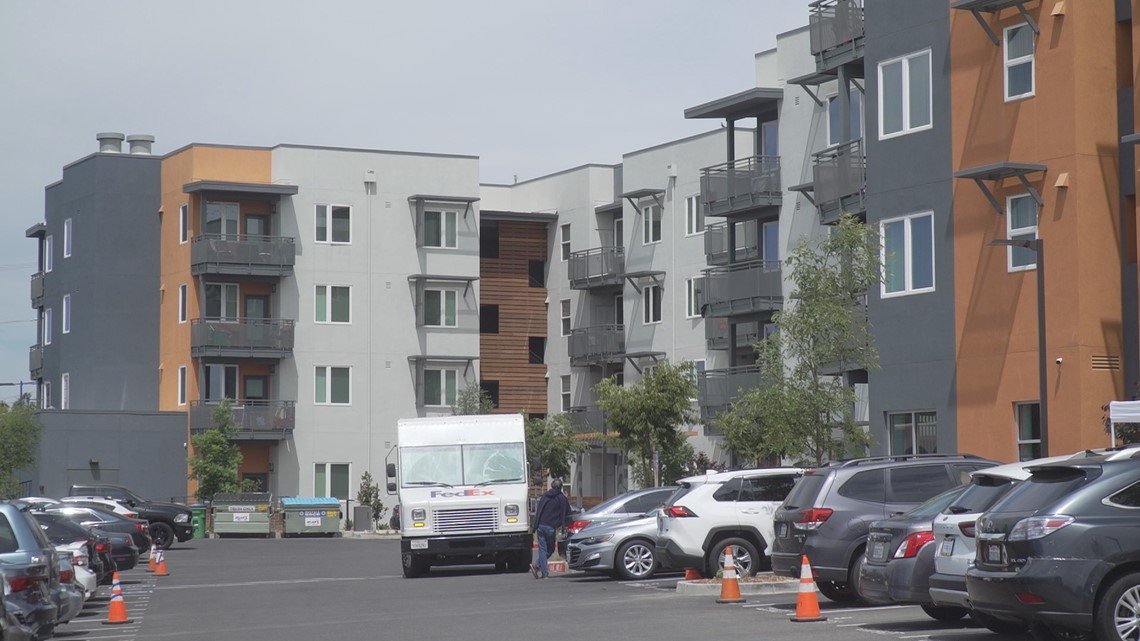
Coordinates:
216 457
369 495
553 443
798 411
19 441
472 399
646 417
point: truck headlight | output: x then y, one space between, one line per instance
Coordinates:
182 518
511 510
419 514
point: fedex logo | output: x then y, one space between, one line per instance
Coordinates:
448 495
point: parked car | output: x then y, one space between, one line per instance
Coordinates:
713 511
109 505
31 567
91 516
67 596
1059 552
124 552
625 506
11 629
828 514
169 522
625 548
67 534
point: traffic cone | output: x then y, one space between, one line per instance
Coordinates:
693 574
160 570
152 561
117 613
729 585
807 604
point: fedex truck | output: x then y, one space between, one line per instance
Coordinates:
461 483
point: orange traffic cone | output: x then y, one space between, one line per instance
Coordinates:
160 570
117 613
152 562
693 574
729 585
807 604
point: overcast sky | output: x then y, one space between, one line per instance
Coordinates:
529 86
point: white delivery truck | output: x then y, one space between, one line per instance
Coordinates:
461 483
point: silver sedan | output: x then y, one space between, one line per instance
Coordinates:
626 549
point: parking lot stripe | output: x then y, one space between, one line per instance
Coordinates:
875 609
244 584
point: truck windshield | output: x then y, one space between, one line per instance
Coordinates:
451 465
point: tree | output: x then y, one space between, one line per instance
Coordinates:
646 417
216 457
19 443
369 495
553 442
798 411
472 399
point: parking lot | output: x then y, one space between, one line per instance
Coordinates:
285 589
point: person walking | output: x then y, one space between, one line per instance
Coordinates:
551 514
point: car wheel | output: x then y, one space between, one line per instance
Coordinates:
635 559
854 581
944 612
162 534
837 591
994 624
414 566
744 557
1118 613
1042 632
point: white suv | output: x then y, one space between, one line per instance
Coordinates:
721 509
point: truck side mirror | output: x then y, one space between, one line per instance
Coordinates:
535 464
391 487
390 470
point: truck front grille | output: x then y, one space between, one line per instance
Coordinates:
482 519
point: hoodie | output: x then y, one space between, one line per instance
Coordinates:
553 509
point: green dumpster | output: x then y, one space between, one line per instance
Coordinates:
246 513
198 519
311 515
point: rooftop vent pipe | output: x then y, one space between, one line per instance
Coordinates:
110 142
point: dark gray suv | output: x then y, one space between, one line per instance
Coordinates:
828 513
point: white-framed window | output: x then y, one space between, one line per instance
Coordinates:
1019 65
565 231
183 223
696 368
49 253
1028 416
47 326
45 396
65 391
692 297
651 224
440 387
651 304
565 307
905 95
67 226
222 301
1021 224
332 385
66 320
333 224
908 254
182 385
565 390
333 304
440 229
835 118
439 307
182 303
694 216
331 479
913 432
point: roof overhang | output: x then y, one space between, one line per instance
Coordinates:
758 102
441 358
1000 171
420 199
807 189
656 275
608 208
1130 138
817 78
221 186
36 231
634 357
524 216
978 7
638 194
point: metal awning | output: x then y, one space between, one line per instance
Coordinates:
633 357
806 189
1130 138
817 78
222 186
443 359
452 278
614 207
1000 171
525 216
419 199
978 7
653 274
757 102
36 231
638 194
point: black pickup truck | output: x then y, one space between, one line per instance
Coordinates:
168 521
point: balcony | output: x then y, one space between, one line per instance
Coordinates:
744 288
849 363
253 419
717 334
720 388
587 419
242 255
36 361
836 32
741 186
244 338
716 243
598 267
37 290
840 181
597 345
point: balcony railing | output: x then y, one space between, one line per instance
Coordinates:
242 255
741 186
836 32
716 243
853 357
37 290
587 419
717 334
596 345
597 267
840 181
719 388
241 338
36 361
253 419
744 288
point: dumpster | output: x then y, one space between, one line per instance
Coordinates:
246 513
311 515
198 519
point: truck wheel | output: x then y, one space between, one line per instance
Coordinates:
414 566
162 534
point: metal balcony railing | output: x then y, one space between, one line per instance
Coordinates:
36 361
596 345
241 338
242 255
37 290
840 181
719 388
836 32
716 243
717 334
851 359
253 419
587 419
741 186
597 267
744 288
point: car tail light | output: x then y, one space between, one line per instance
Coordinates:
102 547
140 527
19 583
66 576
968 528
79 560
812 518
1036 527
132 515
577 526
913 543
679 512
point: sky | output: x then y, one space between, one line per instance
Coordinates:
531 87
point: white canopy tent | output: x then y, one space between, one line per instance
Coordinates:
1122 412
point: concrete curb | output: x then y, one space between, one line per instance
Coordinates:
693 588
370 535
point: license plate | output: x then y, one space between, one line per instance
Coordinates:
992 553
947 548
781 529
419 545
879 550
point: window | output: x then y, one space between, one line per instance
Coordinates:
651 224
183 223
331 479
913 432
221 382
565 231
439 307
536 348
693 297
333 304
835 118
565 316
866 486
916 483
49 250
1021 224
619 309
334 224
67 238
66 313
440 387
1028 431
770 245
439 229
1019 81
182 385
182 303
651 304
1128 497
904 95
696 370
489 319
774 488
47 326
333 385
694 216
908 254
729 491
566 393
65 391
45 396
222 301
489 239
536 273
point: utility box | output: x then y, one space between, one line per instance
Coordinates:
246 513
311 515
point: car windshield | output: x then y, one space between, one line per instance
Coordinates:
61 530
805 490
982 492
1042 489
931 508
451 465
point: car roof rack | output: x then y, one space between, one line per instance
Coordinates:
867 460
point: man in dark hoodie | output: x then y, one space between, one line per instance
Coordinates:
552 513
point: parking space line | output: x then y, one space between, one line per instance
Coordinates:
879 608
244 584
